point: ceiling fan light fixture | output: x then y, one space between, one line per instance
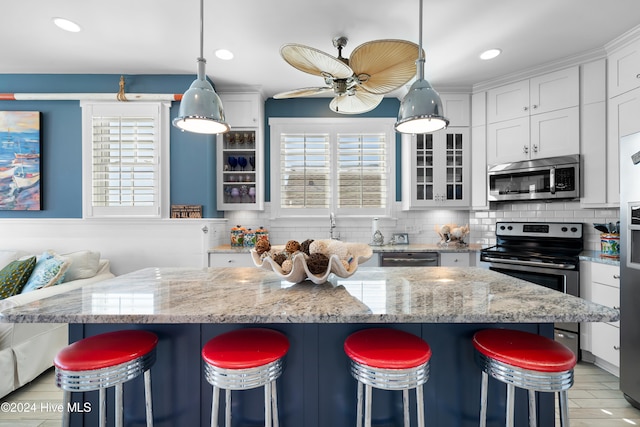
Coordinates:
201 108
421 108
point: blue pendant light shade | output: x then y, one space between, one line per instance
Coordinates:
421 109
200 108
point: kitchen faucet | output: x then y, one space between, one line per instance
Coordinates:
332 226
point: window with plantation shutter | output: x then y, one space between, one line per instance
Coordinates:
343 166
123 145
362 170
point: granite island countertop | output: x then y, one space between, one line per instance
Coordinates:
412 247
253 295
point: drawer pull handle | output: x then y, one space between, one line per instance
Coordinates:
616 276
616 347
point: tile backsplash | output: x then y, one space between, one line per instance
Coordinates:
420 225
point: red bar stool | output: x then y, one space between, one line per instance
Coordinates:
103 361
388 359
244 359
525 360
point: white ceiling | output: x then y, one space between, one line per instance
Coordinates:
162 36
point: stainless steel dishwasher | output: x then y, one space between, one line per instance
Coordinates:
409 259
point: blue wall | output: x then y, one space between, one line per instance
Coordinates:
193 156
319 107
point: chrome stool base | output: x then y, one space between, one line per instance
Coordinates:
369 377
245 379
101 379
532 381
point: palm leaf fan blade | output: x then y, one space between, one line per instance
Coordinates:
359 102
314 61
389 64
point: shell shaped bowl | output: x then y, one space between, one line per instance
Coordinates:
361 252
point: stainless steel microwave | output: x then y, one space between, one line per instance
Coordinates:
539 179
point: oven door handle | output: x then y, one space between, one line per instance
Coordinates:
529 263
552 180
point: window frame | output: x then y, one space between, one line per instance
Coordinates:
160 111
332 126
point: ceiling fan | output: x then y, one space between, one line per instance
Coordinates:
359 82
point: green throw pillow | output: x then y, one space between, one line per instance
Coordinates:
14 276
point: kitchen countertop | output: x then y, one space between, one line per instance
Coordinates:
227 249
253 295
596 256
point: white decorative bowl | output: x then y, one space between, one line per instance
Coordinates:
361 252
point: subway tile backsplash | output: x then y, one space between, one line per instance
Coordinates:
420 225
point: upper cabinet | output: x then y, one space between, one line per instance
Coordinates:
243 109
542 94
624 69
534 118
240 154
456 108
435 172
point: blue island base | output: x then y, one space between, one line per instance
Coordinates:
316 389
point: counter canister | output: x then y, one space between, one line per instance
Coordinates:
262 234
249 238
237 236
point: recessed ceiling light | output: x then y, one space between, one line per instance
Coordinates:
490 54
224 54
67 25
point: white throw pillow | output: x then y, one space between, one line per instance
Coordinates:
84 264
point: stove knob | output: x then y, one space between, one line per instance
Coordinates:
564 229
510 228
502 227
574 229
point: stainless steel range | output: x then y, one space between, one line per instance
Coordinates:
545 253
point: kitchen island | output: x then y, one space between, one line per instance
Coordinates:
186 307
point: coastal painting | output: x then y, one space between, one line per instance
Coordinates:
20 160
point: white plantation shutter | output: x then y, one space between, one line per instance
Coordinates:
125 163
332 165
305 172
122 152
362 171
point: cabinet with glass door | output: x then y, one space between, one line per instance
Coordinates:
436 170
239 157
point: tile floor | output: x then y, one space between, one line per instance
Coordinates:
594 401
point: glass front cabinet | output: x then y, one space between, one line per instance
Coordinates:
435 169
240 173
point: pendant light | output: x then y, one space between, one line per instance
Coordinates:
421 109
200 108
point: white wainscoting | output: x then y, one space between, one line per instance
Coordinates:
129 244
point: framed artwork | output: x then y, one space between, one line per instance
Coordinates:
20 147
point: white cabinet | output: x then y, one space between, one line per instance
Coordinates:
242 109
594 174
622 120
456 259
556 133
478 143
456 108
534 118
230 260
240 154
602 286
624 69
542 94
435 170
